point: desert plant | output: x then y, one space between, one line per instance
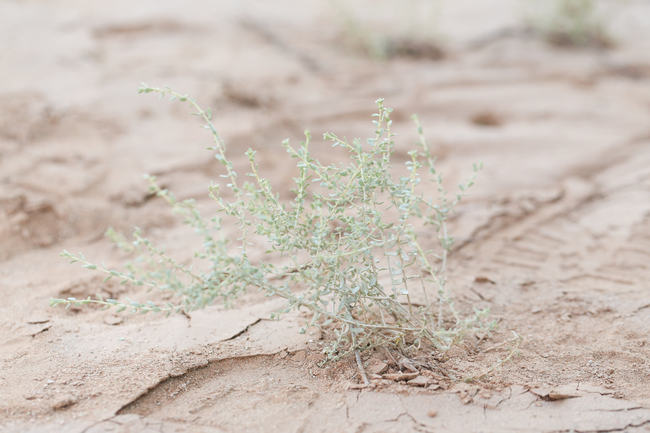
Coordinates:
572 23
413 32
346 248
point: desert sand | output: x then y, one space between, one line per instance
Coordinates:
554 239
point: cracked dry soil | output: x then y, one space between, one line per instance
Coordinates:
555 239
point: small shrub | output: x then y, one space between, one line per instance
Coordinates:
411 35
573 23
346 248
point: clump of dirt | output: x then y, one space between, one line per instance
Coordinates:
487 118
26 224
413 48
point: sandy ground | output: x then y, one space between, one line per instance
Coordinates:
555 239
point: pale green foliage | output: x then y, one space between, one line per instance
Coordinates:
346 248
413 31
571 23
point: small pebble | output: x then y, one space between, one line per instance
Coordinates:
113 319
